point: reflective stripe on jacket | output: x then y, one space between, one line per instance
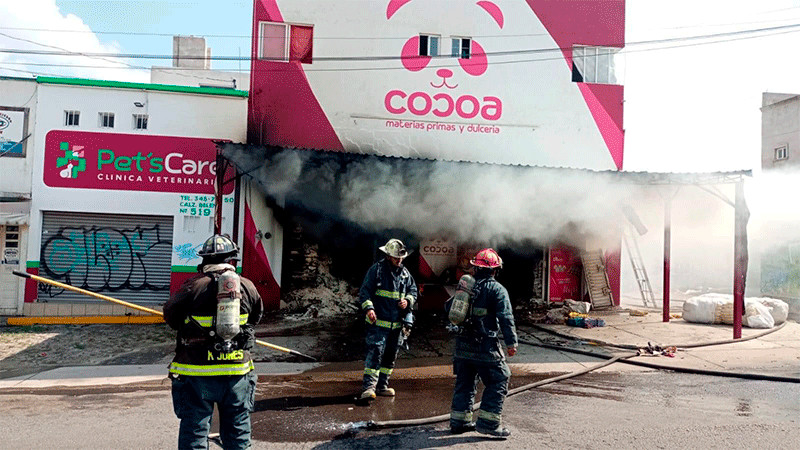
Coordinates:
191 311
383 286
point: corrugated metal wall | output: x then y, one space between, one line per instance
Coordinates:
127 257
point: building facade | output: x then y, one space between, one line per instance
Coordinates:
780 141
121 189
17 116
780 131
530 83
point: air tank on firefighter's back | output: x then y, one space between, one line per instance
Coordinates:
462 299
228 301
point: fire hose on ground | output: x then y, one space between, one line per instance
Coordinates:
624 358
140 308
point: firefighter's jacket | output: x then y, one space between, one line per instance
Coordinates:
490 312
192 312
383 286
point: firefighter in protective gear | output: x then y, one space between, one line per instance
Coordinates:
478 353
204 371
387 295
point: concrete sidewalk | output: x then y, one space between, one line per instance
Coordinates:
775 352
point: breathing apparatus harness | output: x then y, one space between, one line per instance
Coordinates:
225 323
462 321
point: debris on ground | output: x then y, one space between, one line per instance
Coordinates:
318 293
657 350
581 320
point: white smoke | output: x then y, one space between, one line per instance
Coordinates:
702 235
487 203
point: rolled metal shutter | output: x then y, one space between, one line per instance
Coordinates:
128 257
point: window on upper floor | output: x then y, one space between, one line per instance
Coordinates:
285 42
782 152
594 65
72 118
12 236
428 45
461 47
105 120
140 121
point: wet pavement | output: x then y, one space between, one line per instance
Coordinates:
294 410
316 406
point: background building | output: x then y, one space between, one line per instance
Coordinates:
121 184
780 131
191 66
17 116
780 141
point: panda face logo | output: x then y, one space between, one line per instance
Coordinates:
445 102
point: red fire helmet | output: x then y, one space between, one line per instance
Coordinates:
487 258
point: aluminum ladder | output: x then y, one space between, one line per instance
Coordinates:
594 270
632 246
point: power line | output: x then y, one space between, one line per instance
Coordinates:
373 38
455 64
106 59
396 57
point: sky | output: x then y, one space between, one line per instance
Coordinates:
693 106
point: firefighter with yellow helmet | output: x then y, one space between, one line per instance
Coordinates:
478 352
215 313
386 296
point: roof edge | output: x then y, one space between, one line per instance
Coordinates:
145 86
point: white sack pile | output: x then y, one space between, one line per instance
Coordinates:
759 312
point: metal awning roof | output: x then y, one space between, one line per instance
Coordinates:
250 157
14 219
15 208
465 200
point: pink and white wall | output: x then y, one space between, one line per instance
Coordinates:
368 90
514 101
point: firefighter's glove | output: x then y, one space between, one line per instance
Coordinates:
406 301
371 316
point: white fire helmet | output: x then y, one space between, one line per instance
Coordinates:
394 248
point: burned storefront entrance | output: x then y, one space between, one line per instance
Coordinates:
342 206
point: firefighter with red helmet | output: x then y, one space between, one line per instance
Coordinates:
478 351
386 297
215 313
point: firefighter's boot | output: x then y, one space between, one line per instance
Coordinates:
499 431
385 392
383 386
367 395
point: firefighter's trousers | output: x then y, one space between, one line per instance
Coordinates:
382 344
193 399
494 375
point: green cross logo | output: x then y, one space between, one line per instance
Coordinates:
72 159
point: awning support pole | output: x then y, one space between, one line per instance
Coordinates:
740 258
667 237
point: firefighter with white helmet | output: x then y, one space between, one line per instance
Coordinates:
215 313
386 296
478 352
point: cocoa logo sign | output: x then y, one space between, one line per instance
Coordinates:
445 103
438 250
